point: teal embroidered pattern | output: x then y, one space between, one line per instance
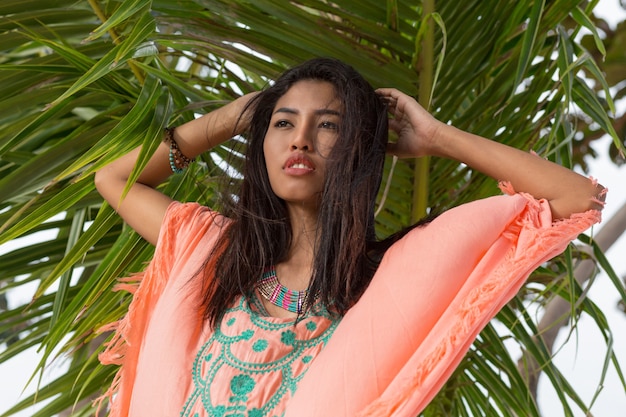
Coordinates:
241 385
259 345
288 337
251 365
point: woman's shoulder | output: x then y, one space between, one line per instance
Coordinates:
186 223
192 214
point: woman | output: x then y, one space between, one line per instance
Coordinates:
286 304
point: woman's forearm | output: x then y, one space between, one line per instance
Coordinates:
212 129
192 138
420 134
143 207
566 191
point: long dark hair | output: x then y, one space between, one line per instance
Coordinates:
347 252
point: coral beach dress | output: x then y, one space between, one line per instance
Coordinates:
433 292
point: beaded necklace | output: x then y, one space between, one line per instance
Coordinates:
279 295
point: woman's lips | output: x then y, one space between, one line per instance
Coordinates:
298 165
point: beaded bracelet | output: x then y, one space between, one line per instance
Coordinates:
178 160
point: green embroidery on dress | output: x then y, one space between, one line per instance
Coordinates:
255 412
220 352
260 345
241 385
288 337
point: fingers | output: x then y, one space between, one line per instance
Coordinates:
396 117
395 125
390 95
389 92
401 105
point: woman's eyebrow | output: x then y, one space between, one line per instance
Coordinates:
286 110
317 112
327 111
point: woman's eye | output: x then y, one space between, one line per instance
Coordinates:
329 125
281 123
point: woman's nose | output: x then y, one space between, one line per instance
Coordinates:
303 139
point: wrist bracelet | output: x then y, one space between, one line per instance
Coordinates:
178 160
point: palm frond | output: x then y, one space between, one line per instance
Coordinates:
85 82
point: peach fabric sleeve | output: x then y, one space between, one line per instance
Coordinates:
433 293
157 333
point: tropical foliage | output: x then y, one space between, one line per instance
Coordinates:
85 81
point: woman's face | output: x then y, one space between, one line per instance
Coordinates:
302 131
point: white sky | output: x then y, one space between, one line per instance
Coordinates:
579 360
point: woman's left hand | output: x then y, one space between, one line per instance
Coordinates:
416 128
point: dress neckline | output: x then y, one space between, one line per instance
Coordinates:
254 305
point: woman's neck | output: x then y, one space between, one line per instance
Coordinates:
296 269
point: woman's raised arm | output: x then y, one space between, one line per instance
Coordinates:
143 207
420 134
